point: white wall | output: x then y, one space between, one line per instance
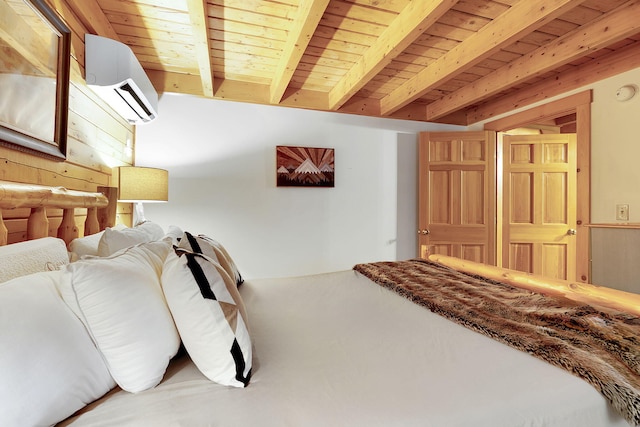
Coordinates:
615 150
407 188
221 157
221 161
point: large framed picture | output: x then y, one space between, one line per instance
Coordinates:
305 166
34 77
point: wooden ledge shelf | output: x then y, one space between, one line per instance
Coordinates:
615 225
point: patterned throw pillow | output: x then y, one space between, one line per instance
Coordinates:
213 249
210 316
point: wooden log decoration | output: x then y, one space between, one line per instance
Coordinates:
14 195
4 232
37 224
581 292
91 224
107 214
68 229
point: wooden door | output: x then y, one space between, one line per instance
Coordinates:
457 188
539 204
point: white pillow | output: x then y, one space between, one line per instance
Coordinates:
210 316
114 240
20 259
88 245
50 367
213 249
119 299
174 234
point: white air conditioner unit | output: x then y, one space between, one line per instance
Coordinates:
114 73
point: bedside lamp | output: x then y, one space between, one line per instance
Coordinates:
140 184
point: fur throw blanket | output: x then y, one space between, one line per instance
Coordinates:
603 348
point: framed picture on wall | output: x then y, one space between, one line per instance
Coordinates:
34 82
305 166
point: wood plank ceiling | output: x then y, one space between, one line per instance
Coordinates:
428 60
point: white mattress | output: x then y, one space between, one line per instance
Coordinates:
338 350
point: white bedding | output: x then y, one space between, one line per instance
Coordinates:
20 259
339 350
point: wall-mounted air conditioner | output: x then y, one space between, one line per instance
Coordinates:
114 73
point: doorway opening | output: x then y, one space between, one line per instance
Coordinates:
568 115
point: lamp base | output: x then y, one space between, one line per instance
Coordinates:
138 214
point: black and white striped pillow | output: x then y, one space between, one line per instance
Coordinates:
210 316
212 248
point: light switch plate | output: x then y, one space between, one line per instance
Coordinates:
622 212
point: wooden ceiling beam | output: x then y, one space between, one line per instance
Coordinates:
234 90
171 82
497 34
564 120
202 44
614 26
408 26
91 16
302 28
619 61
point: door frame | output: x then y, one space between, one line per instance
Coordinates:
580 104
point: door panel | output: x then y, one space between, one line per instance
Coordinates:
457 188
539 204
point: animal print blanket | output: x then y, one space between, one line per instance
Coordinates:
603 348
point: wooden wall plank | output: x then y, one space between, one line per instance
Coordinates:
98 138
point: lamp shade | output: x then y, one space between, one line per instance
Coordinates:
141 184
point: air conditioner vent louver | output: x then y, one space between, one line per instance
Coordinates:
115 74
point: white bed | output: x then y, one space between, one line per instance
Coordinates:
337 349
328 350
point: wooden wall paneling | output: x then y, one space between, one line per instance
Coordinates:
26 168
83 154
74 24
87 104
4 232
16 230
98 139
125 214
95 124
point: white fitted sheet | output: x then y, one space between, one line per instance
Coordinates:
338 350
